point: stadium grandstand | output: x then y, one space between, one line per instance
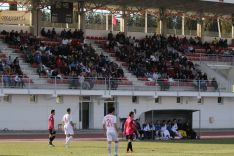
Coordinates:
161 59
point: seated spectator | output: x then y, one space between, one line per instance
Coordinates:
53 33
6 80
174 129
157 128
165 134
42 70
191 134
43 32
19 81
169 128
146 129
141 132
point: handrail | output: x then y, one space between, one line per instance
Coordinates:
108 84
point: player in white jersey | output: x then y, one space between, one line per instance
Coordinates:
110 126
67 126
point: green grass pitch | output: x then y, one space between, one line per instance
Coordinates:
214 147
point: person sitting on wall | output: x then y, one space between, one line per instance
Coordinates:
214 84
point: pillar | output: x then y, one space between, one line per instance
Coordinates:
121 24
146 22
162 23
232 31
124 22
81 14
36 18
219 29
107 22
200 27
232 26
183 25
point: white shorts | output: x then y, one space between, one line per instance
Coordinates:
111 136
68 129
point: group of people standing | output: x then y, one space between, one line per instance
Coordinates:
67 126
109 124
111 127
165 130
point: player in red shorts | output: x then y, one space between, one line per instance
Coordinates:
52 132
129 130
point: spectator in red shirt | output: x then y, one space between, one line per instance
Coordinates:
129 130
51 129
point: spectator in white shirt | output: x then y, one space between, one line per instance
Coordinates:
174 129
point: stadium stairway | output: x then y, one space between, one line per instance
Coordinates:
211 73
127 74
26 68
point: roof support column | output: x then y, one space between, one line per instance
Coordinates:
200 28
183 25
146 22
162 22
219 29
232 26
124 22
232 31
81 13
107 22
36 18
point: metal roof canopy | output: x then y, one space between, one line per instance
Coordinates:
199 6
218 8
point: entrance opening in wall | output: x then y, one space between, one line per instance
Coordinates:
84 114
108 103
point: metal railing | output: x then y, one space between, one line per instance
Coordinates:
218 59
81 83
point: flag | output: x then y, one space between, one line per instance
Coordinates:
114 20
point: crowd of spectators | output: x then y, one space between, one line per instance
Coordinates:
10 70
165 130
156 58
52 34
153 57
77 62
189 45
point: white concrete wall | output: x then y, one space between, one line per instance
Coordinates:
20 114
222 114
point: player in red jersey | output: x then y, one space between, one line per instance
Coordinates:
52 132
129 130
